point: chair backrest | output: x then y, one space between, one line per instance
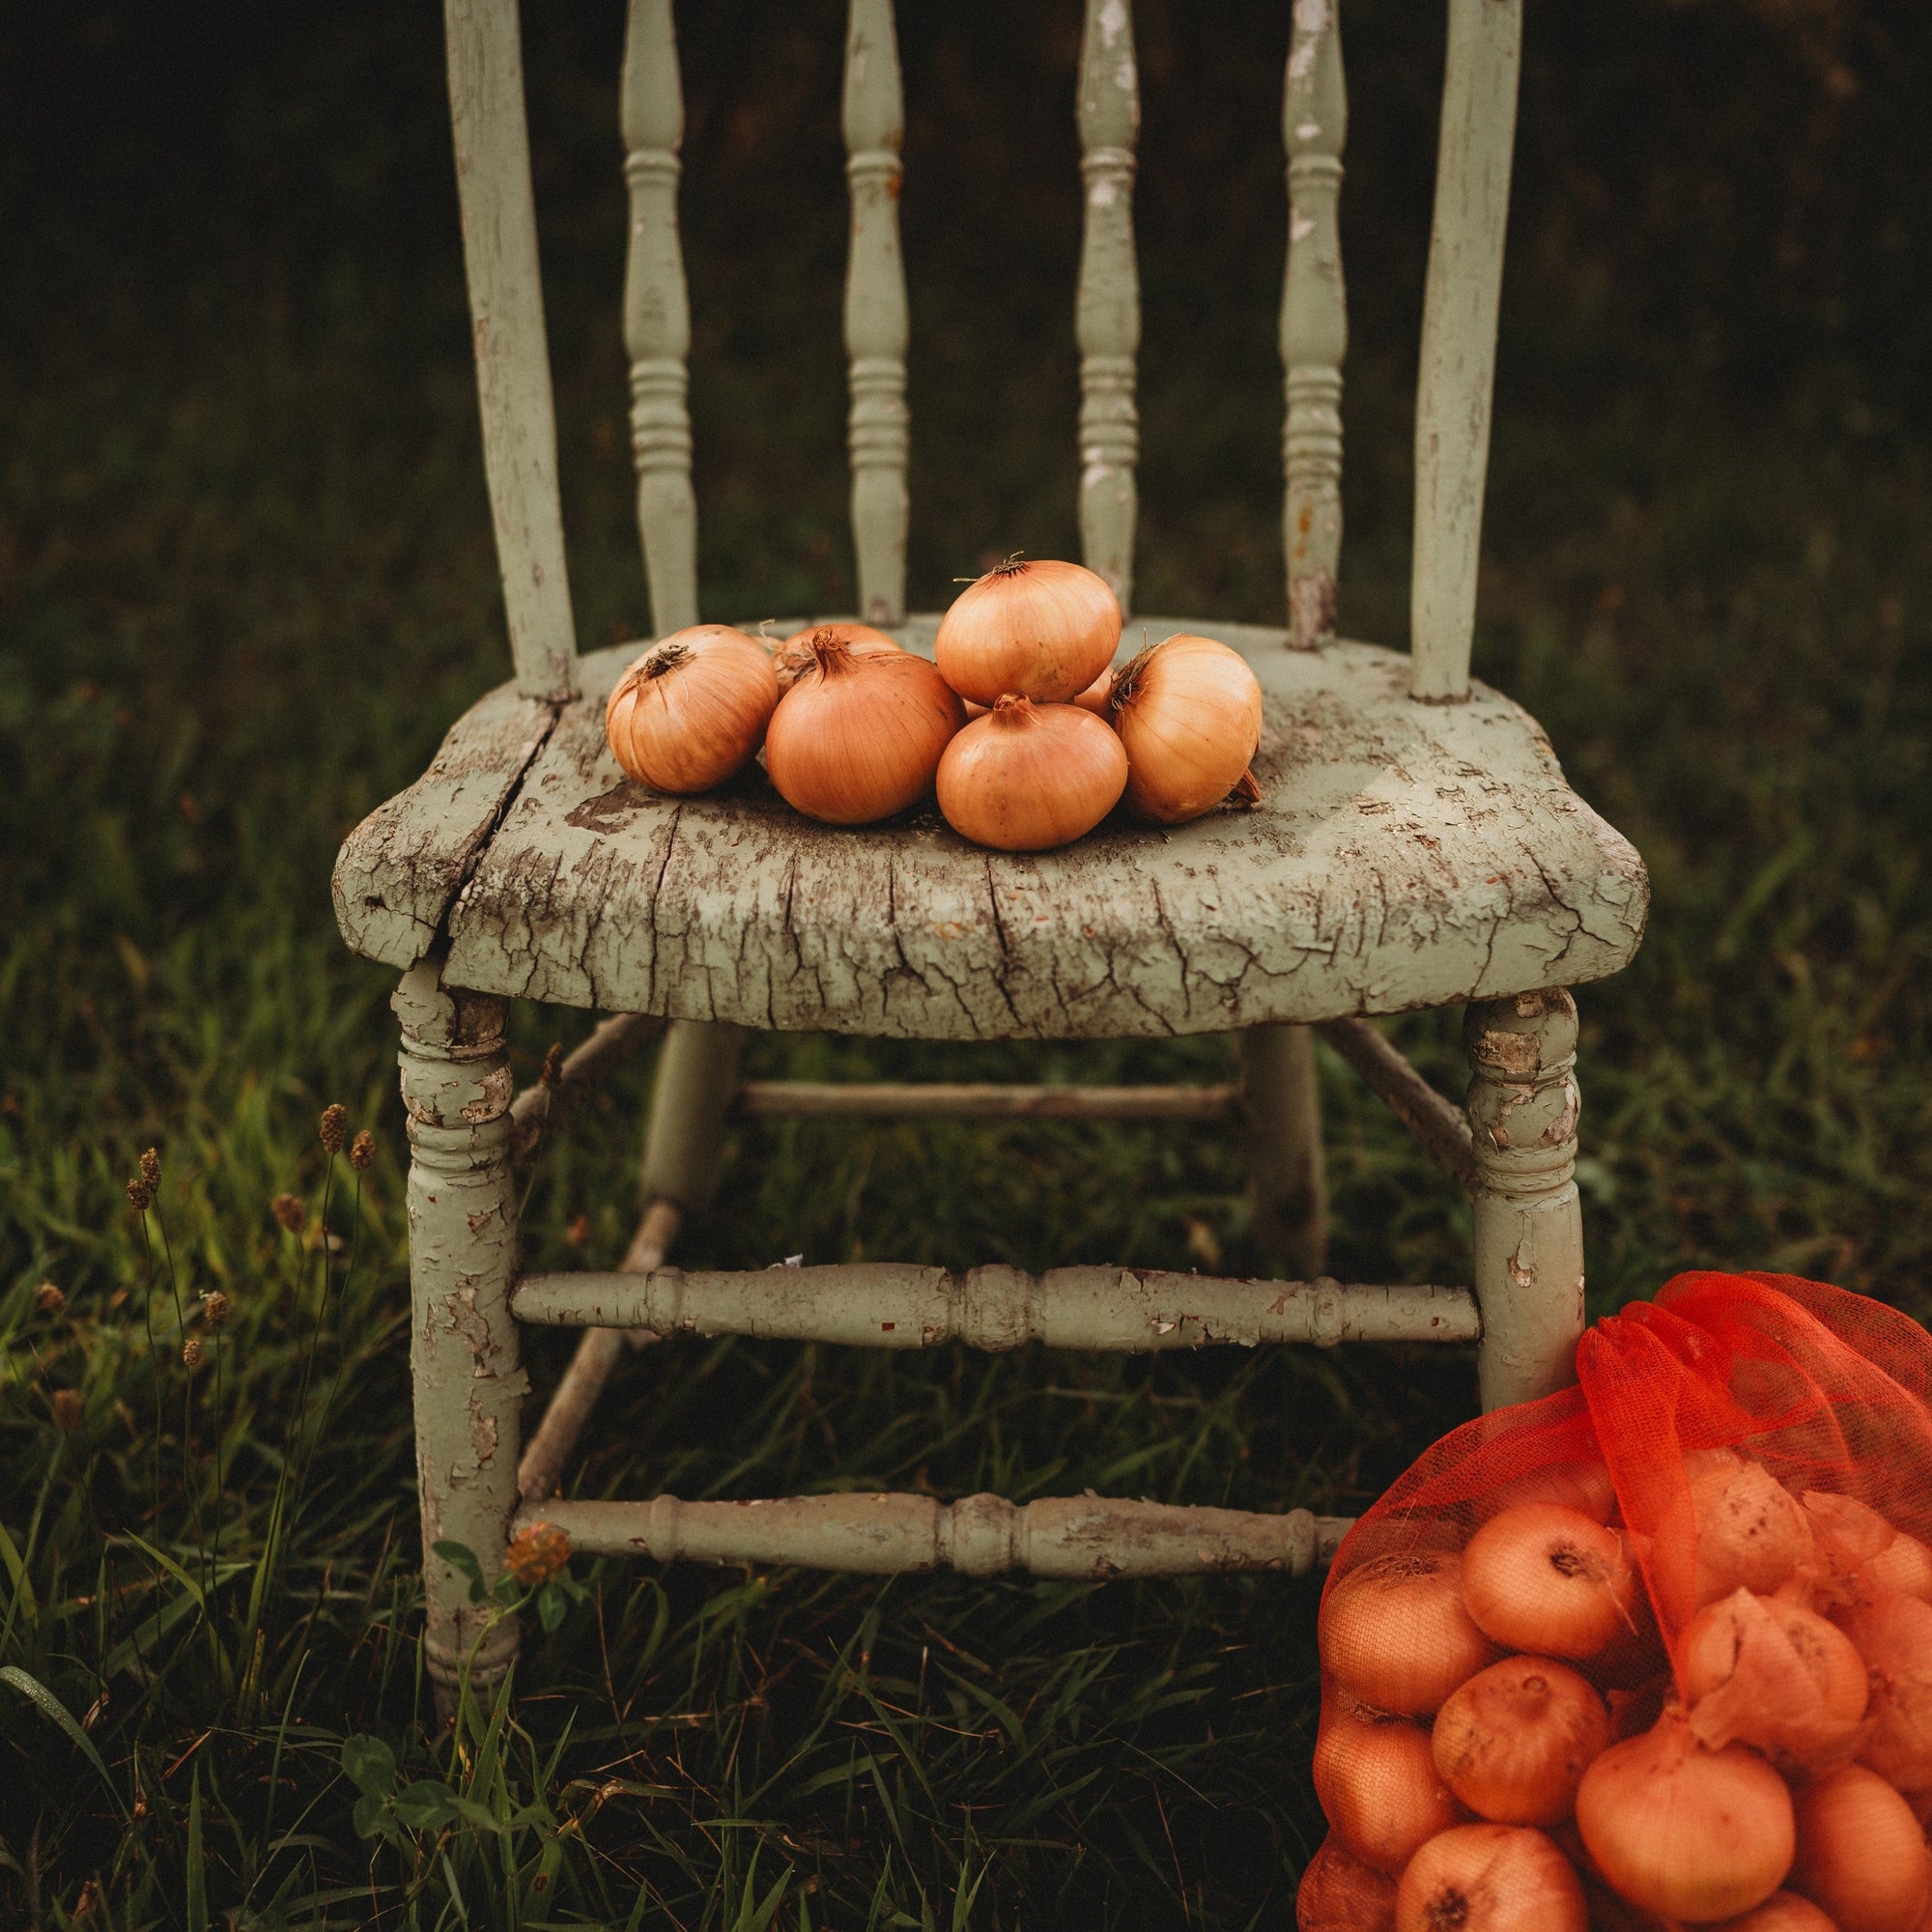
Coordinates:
1458 327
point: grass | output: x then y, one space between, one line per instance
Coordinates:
245 580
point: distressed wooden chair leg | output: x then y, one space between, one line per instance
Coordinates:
1523 1107
697 1072
469 1384
1287 1176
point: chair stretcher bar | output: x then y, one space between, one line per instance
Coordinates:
984 1100
1081 1537
896 1305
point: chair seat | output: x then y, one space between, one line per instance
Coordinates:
1404 855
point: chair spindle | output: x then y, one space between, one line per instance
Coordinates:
1107 314
657 316
875 310
1461 301
1314 320
499 257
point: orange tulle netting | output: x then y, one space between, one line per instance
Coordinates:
1655 1650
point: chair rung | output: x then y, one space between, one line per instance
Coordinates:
985 1100
1089 1537
896 1305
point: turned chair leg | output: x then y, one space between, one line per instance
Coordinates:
1523 1107
1287 1183
467 1384
697 1073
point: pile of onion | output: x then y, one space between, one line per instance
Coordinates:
1778 1777
860 733
693 709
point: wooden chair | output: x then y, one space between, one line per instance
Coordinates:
1417 847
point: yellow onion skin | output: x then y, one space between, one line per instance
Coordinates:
1544 1579
1095 698
1752 1533
1893 1635
1043 630
693 709
797 655
1685 1832
1340 1892
1514 1742
1380 1788
1774 1675
1029 777
1584 1487
1394 1633
858 736
1189 712
1490 1878
1782 1912
1861 1854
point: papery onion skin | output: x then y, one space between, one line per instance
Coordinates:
1893 1635
1782 1912
1584 1487
1029 777
1544 1579
1339 1892
858 736
1189 712
1379 1788
1394 1633
1043 630
1860 1853
1490 1878
1752 1533
1774 1675
1684 1832
1095 698
1903 1565
796 655
692 710
1514 1742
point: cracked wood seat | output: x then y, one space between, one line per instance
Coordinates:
1415 845
1402 855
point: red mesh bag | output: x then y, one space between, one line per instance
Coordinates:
1653 1650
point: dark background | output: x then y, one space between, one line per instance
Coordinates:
247 581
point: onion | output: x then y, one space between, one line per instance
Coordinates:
1546 1579
1514 1742
1864 1553
693 709
1774 1674
1340 1893
1782 1912
1904 1565
796 656
1393 1631
1686 1832
1490 1878
1751 1532
1095 698
1042 630
1378 1787
1893 1635
1584 1487
1861 1854
1030 776
1189 712
859 735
